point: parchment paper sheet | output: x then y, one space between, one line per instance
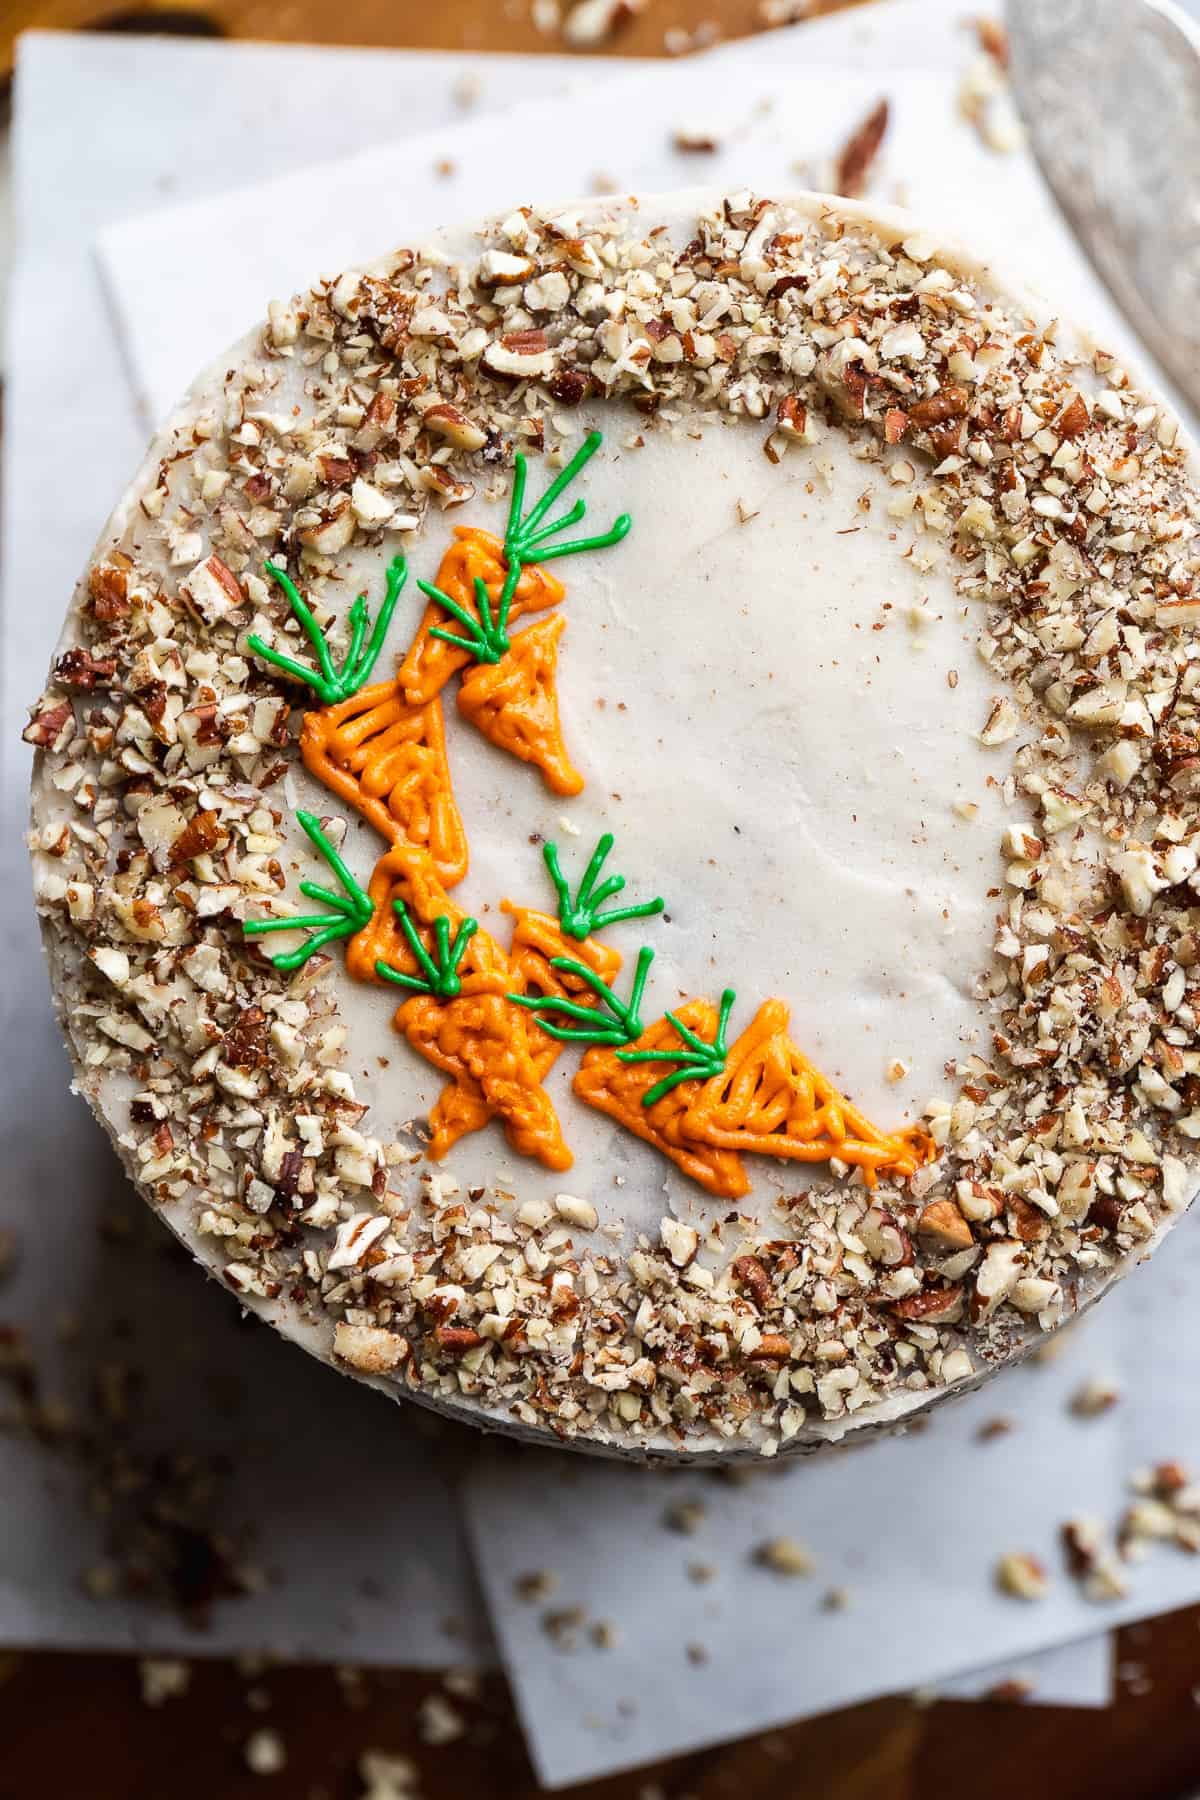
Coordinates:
359 1497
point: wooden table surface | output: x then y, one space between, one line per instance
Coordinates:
78 1728
397 24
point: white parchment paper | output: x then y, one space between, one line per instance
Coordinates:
910 1529
520 1517
774 129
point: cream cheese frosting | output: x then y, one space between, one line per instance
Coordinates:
862 708
784 774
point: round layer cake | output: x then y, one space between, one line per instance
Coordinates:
615 821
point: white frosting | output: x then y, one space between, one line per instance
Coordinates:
784 774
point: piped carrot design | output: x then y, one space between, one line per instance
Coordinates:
623 1082
610 1082
459 1110
437 973
538 956
561 971
386 758
536 941
760 1097
346 915
404 875
597 1015
380 754
495 1021
475 559
329 684
481 1041
382 751
510 694
699 1059
458 1018
538 938
514 703
580 915
768 1099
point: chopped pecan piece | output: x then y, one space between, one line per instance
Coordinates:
108 593
246 1039
570 386
895 424
45 728
752 1275
943 1230
948 403
200 835
457 1338
1075 419
933 1306
81 670
336 471
858 153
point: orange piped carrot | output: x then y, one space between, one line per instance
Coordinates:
462 1106
536 939
618 1088
482 1041
474 556
492 1052
407 874
386 758
514 703
770 1100
459 1110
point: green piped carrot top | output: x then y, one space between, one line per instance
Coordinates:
526 541
348 912
331 685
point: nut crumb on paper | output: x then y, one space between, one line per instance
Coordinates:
538 1584
784 1556
985 98
163 1678
1094 1398
438 1722
685 1516
856 159
1014 1690
1022 1576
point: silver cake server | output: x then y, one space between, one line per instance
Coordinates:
1110 94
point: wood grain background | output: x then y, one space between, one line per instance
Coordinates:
395 24
75 1728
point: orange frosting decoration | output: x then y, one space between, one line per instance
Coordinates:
771 1101
474 555
536 938
616 1088
493 1052
387 759
382 752
483 1042
407 873
459 1109
514 702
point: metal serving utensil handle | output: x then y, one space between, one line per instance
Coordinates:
1110 94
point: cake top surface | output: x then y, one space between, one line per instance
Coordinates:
774 558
